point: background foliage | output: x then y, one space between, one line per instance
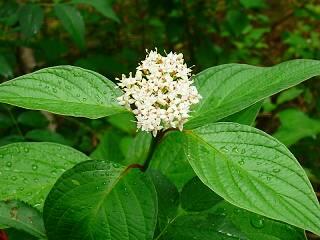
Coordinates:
110 37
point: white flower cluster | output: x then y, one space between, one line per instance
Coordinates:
160 93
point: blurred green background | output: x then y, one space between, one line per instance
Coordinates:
110 37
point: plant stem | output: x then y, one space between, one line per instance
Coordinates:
152 149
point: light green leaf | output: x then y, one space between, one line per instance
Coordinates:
30 19
102 6
29 170
71 19
230 88
254 171
63 90
23 217
295 125
170 159
101 200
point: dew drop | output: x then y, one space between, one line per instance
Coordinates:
235 150
276 170
224 149
257 222
75 182
9 164
1 155
26 150
13 178
34 167
241 162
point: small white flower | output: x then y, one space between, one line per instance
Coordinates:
160 93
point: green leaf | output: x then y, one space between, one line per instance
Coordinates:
139 149
71 19
203 226
5 121
23 217
102 6
195 196
124 121
289 94
29 170
296 125
101 200
169 158
254 171
63 90
230 88
14 234
5 68
109 147
255 226
43 135
30 19
246 116
168 198
253 3
33 119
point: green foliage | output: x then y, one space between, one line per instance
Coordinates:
102 200
72 21
230 88
30 19
64 90
252 170
295 126
219 178
29 170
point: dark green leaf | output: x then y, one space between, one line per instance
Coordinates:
43 135
71 19
5 68
195 196
203 226
168 198
102 6
169 158
258 227
33 119
30 19
101 200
